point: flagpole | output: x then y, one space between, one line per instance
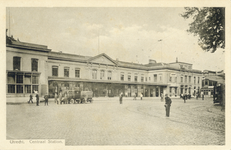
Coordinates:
9 22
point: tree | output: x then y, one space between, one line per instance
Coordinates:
209 24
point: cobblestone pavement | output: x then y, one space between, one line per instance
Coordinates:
107 122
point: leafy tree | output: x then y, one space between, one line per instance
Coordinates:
209 24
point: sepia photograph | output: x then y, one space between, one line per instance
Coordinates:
115 76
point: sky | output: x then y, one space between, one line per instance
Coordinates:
129 34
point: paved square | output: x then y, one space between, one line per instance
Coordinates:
106 122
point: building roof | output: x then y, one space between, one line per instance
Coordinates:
11 42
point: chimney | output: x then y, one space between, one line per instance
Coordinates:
176 59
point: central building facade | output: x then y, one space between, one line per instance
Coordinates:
52 72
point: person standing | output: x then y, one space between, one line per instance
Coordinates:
134 97
46 99
37 99
185 97
31 99
162 97
56 96
121 98
202 95
141 96
60 98
167 105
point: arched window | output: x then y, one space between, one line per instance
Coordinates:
109 75
16 63
102 74
94 74
34 64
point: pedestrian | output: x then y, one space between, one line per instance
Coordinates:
60 98
56 96
46 99
185 97
162 97
37 99
202 95
121 98
141 96
31 99
167 105
197 95
134 98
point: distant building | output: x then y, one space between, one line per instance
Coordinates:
211 79
32 67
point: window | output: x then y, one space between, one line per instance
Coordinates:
189 78
155 77
185 79
77 72
170 79
129 77
122 77
146 79
176 79
34 64
109 74
66 72
19 79
55 71
135 78
160 78
181 79
27 88
34 88
16 63
94 74
198 80
34 80
102 74
11 88
19 88
22 83
194 80
142 79
170 90
11 78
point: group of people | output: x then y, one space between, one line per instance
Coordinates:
37 98
135 95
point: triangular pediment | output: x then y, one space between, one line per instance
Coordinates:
102 59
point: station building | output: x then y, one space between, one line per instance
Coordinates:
32 67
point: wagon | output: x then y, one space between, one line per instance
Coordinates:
74 96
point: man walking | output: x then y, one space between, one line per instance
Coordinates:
141 96
31 99
167 105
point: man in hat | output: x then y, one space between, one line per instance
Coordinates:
167 105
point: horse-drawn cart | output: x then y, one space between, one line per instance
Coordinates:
73 97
